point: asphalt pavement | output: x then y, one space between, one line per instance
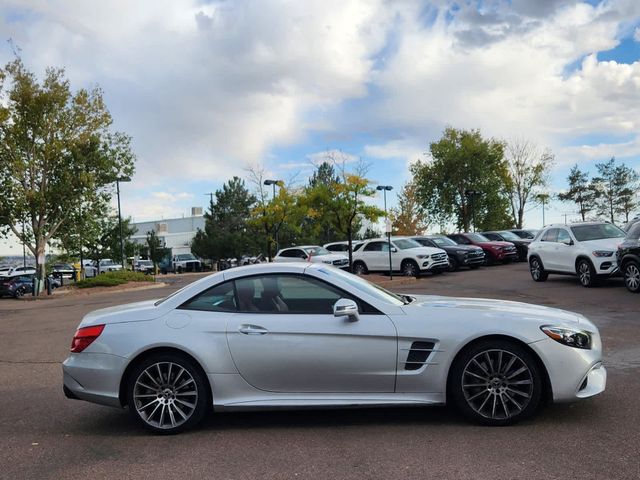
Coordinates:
43 435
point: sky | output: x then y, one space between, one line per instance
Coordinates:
208 89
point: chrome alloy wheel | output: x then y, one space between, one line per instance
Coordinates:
584 273
409 269
165 395
497 384
632 277
536 269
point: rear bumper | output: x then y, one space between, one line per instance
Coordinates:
94 377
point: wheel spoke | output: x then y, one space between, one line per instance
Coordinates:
486 379
478 394
187 404
148 404
489 362
171 417
152 379
504 405
517 372
524 394
481 367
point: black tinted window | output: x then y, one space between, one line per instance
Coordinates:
220 298
634 232
286 293
374 247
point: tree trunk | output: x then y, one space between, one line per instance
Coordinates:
40 266
520 217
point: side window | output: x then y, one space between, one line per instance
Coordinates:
461 240
219 298
287 253
492 236
282 293
355 247
373 247
300 254
634 232
563 236
550 235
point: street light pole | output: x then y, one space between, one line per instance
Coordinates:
273 183
118 181
384 189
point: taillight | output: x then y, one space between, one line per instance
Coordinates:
84 337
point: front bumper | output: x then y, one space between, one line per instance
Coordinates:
430 266
573 373
94 377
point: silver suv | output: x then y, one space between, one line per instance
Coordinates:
585 249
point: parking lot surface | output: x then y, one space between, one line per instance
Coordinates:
46 436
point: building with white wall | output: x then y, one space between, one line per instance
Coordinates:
174 233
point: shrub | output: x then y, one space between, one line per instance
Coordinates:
111 279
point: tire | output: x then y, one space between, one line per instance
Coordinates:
586 273
163 271
360 268
631 274
453 264
538 273
179 270
409 268
19 293
167 405
496 382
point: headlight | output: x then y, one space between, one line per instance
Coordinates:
423 256
568 336
602 253
327 261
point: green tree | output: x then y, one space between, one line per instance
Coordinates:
580 191
628 195
466 179
154 249
56 152
107 242
409 217
227 233
616 187
528 168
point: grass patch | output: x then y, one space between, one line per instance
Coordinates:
111 279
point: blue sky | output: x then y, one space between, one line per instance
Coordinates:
209 89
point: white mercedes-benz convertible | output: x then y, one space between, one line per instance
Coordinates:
309 335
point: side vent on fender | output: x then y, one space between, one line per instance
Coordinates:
418 355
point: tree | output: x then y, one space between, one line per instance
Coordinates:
56 152
154 249
343 202
227 233
616 187
107 242
410 217
580 191
465 179
528 167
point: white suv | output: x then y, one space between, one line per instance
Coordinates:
314 254
585 249
407 256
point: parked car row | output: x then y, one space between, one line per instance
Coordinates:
592 251
20 285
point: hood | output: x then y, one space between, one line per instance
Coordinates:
495 243
329 257
469 248
423 250
515 311
603 244
130 312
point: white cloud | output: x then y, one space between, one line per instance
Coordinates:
206 89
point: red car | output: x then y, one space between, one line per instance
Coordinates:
494 251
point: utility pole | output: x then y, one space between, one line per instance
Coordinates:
385 189
273 183
211 194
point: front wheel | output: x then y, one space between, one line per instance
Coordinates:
19 293
537 270
167 393
359 268
631 272
453 264
586 273
410 268
496 382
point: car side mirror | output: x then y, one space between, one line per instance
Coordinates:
346 308
568 243
394 249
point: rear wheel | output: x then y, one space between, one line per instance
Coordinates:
453 264
496 382
409 268
359 268
167 393
631 272
586 273
538 272
19 293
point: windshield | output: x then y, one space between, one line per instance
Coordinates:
443 241
509 235
366 287
185 256
584 233
476 237
315 251
406 243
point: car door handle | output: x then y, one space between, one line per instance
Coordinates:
252 330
